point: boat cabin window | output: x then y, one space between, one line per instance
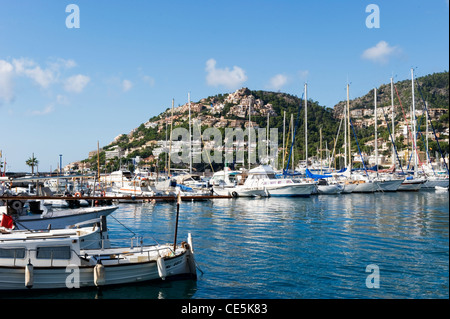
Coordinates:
18 253
53 252
128 175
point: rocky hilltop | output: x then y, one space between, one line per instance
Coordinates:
231 110
434 89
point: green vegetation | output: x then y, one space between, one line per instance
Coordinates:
434 89
32 162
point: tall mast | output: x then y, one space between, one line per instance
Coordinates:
413 120
349 131
284 131
292 129
190 135
166 164
376 124
345 130
393 116
426 135
249 133
320 150
306 126
170 141
267 139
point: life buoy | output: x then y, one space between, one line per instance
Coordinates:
77 194
17 205
234 194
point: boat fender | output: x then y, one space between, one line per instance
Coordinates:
191 258
191 247
99 274
161 268
29 275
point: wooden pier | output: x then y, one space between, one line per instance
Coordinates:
132 198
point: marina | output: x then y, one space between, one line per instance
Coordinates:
295 247
261 232
238 157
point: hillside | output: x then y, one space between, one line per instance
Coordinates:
231 111
434 89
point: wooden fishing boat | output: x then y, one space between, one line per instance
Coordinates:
85 257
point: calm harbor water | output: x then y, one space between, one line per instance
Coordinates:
296 248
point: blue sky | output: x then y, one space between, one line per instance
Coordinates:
63 89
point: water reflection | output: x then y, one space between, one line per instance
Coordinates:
168 289
315 247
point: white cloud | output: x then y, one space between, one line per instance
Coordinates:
278 81
6 82
149 80
229 78
44 77
380 53
303 74
28 68
59 63
126 85
62 99
76 83
48 109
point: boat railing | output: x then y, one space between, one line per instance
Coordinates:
143 255
130 242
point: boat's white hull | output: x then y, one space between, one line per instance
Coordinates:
348 188
240 191
367 187
13 278
389 185
63 218
441 189
411 185
329 189
300 190
432 183
221 191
